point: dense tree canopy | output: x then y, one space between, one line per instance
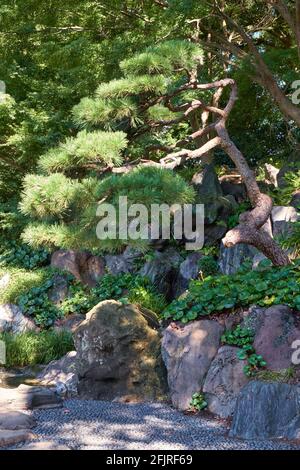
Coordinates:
85 81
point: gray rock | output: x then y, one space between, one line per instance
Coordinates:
26 397
117 264
62 375
267 410
9 438
271 173
282 217
237 190
69 322
213 233
14 420
188 269
124 262
224 381
118 354
59 291
253 318
232 258
44 445
276 330
209 192
162 270
188 351
12 320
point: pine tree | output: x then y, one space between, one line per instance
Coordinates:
156 109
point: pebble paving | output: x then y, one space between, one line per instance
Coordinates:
100 425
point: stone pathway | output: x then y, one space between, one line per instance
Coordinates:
103 425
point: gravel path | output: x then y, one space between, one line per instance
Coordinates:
103 425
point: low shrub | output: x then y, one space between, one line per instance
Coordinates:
264 287
31 348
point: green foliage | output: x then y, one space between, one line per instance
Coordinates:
36 303
198 402
32 348
66 210
23 256
208 266
12 222
243 338
273 286
282 196
46 196
126 287
21 281
147 185
163 59
238 337
105 112
284 376
101 148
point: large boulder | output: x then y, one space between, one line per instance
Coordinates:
282 217
188 269
275 331
12 320
267 410
162 270
118 354
224 381
85 267
188 351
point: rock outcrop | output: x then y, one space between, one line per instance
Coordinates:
85 267
188 351
118 354
266 411
13 321
224 381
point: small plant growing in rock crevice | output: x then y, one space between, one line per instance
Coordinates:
198 402
243 338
